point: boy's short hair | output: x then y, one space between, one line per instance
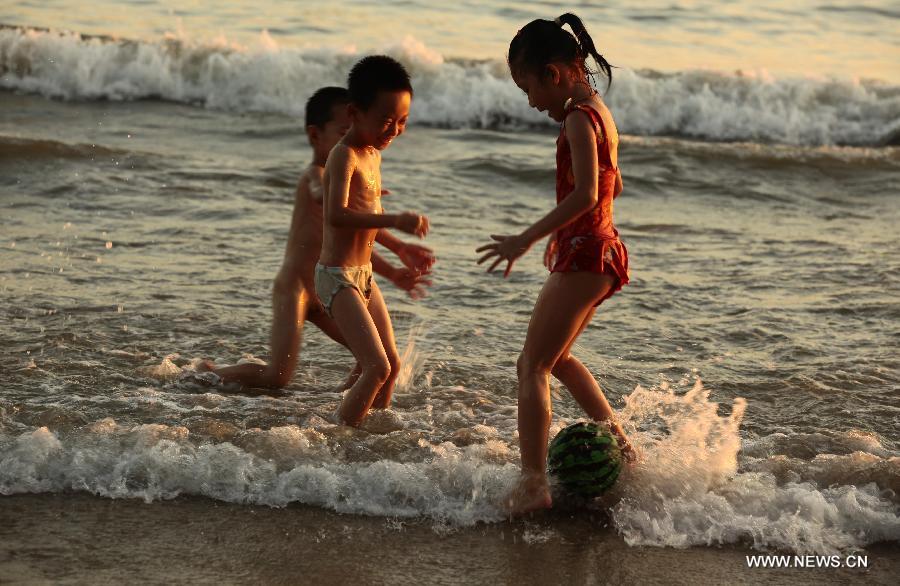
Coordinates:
373 74
320 106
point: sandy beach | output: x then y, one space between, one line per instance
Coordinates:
81 539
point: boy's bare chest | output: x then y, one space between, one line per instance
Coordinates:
365 192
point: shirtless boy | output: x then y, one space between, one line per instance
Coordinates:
380 95
293 295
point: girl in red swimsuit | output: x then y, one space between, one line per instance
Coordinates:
587 261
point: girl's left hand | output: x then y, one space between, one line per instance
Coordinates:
508 248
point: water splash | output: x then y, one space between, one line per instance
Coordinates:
688 489
412 360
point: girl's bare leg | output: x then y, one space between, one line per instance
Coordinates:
584 388
564 304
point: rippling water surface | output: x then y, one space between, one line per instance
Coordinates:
144 203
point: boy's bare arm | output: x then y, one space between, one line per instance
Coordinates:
382 267
413 256
412 281
389 241
312 183
341 165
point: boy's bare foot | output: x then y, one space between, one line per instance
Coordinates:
382 421
203 373
531 493
205 365
336 417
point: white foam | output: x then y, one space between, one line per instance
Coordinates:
745 106
691 486
687 490
167 369
158 462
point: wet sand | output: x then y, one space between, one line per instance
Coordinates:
82 539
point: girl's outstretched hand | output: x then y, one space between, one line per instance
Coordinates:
508 248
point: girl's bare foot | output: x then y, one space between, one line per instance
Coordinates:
625 447
531 493
628 451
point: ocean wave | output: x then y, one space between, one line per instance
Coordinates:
271 467
453 93
688 488
25 148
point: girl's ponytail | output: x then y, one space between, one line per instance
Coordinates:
586 45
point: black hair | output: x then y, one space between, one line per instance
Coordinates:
320 106
541 42
373 74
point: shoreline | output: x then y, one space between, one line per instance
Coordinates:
77 538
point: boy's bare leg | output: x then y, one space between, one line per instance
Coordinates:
379 312
318 317
289 306
355 323
565 302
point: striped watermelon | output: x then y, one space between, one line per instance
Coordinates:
585 458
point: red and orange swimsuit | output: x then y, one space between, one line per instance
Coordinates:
591 242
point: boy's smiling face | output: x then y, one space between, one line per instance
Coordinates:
384 120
